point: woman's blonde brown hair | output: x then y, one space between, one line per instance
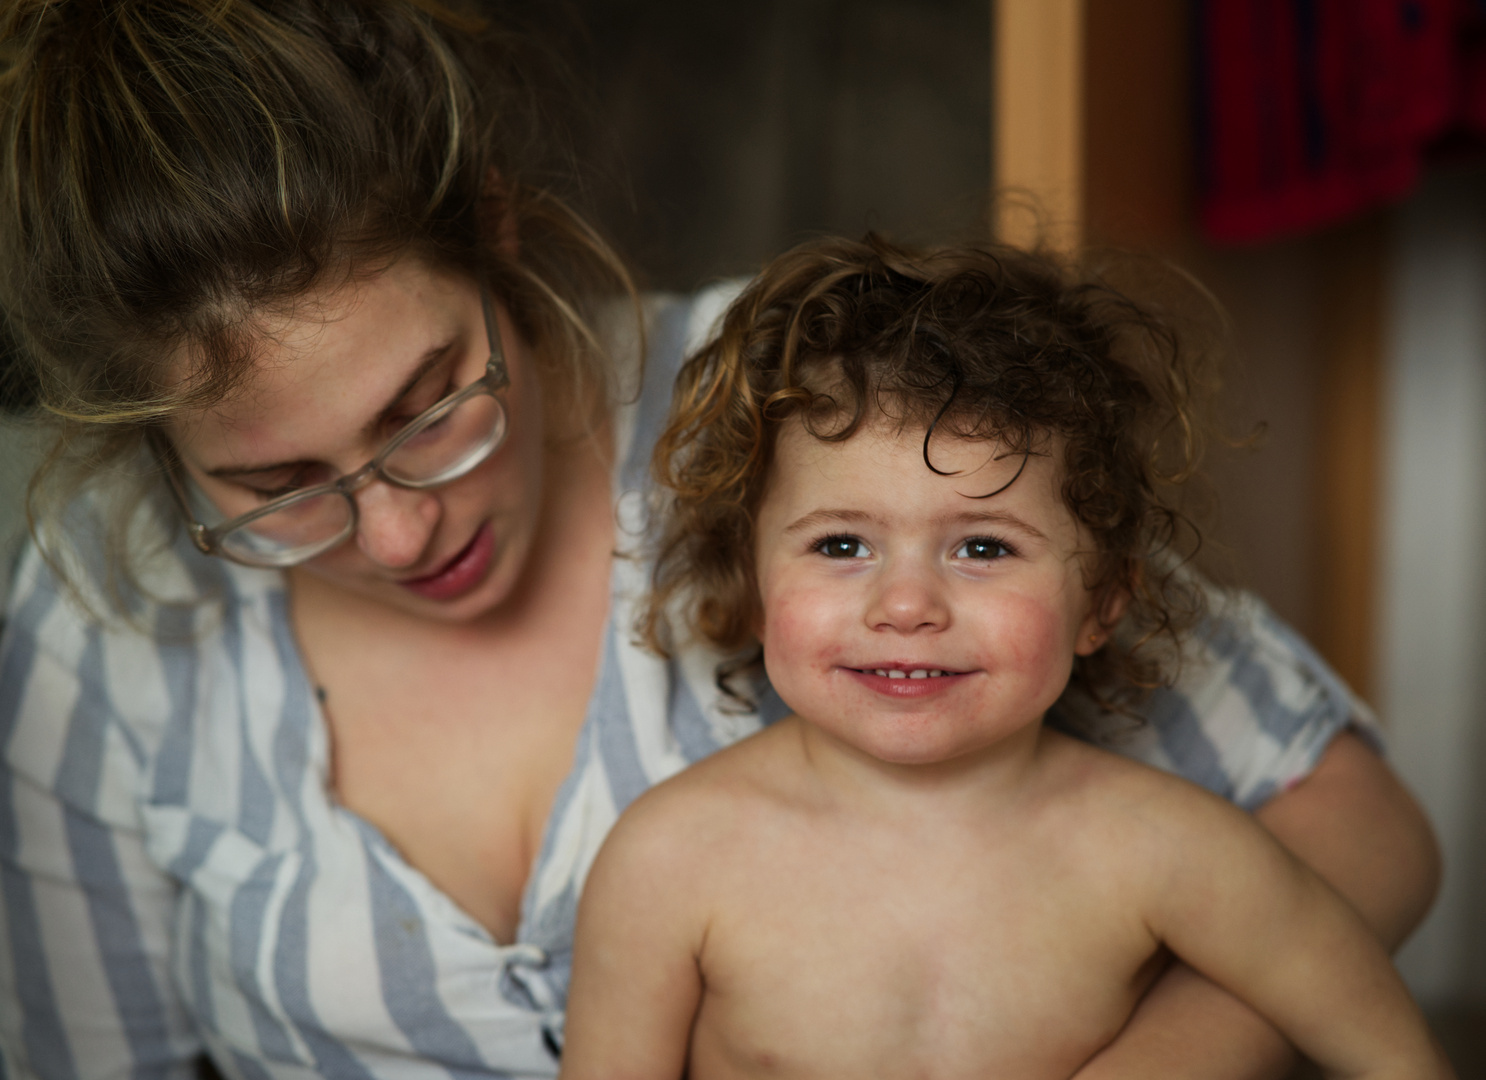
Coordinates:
982 342
169 169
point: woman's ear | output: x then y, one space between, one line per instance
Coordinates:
496 214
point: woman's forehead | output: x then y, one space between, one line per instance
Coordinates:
323 366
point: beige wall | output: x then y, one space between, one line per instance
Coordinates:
1432 635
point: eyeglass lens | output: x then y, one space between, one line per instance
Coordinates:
444 446
448 441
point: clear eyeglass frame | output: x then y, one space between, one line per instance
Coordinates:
214 540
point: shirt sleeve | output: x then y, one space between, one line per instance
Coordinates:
85 917
1252 709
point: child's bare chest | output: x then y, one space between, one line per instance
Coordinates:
1010 968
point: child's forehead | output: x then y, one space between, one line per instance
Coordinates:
953 446
878 478
887 455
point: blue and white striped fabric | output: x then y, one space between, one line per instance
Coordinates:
175 876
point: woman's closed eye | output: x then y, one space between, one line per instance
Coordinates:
275 485
983 548
841 546
431 387
394 424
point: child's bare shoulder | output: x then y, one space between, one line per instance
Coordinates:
1143 808
706 807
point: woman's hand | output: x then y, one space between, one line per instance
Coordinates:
1355 825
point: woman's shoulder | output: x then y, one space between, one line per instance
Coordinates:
678 324
675 325
80 640
1250 711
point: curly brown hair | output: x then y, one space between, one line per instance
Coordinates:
983 342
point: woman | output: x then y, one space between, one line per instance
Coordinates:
319 692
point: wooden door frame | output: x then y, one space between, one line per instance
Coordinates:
1130 182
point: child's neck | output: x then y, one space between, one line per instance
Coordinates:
989 778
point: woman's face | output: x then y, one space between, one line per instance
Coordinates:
337 378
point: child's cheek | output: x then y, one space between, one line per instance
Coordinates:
1035 639
802 630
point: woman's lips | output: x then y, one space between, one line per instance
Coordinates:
907 682
461 573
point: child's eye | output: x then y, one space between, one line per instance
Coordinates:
982 547
842 547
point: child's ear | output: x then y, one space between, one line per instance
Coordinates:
1104 613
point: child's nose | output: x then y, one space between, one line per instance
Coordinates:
395 524
908 599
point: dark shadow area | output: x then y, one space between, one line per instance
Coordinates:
17 390
719 134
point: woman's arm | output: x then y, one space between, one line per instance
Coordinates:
85 916
1354 824
84 991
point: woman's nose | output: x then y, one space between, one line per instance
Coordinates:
395 524
908 599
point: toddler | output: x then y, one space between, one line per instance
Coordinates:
927 491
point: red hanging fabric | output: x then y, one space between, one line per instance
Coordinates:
1310 111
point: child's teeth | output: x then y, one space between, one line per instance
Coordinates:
881 671
918 673
896 674
935 674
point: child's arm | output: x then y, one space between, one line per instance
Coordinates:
1353 823
1232 903
636 985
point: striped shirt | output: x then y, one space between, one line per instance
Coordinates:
176 876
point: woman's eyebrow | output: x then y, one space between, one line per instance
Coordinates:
429 361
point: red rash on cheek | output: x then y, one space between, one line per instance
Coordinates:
788 621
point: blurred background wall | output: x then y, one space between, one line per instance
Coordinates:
716 135
1431 637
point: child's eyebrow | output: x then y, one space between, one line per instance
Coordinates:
818 518
994 517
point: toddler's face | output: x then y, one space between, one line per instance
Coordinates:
902 615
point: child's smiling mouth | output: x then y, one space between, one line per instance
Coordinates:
906 680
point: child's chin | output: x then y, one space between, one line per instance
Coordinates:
912 748
928 741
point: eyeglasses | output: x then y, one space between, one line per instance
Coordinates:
441 444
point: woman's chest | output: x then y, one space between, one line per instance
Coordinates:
455 750
297 924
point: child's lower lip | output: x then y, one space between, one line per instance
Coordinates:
461 573
906 687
